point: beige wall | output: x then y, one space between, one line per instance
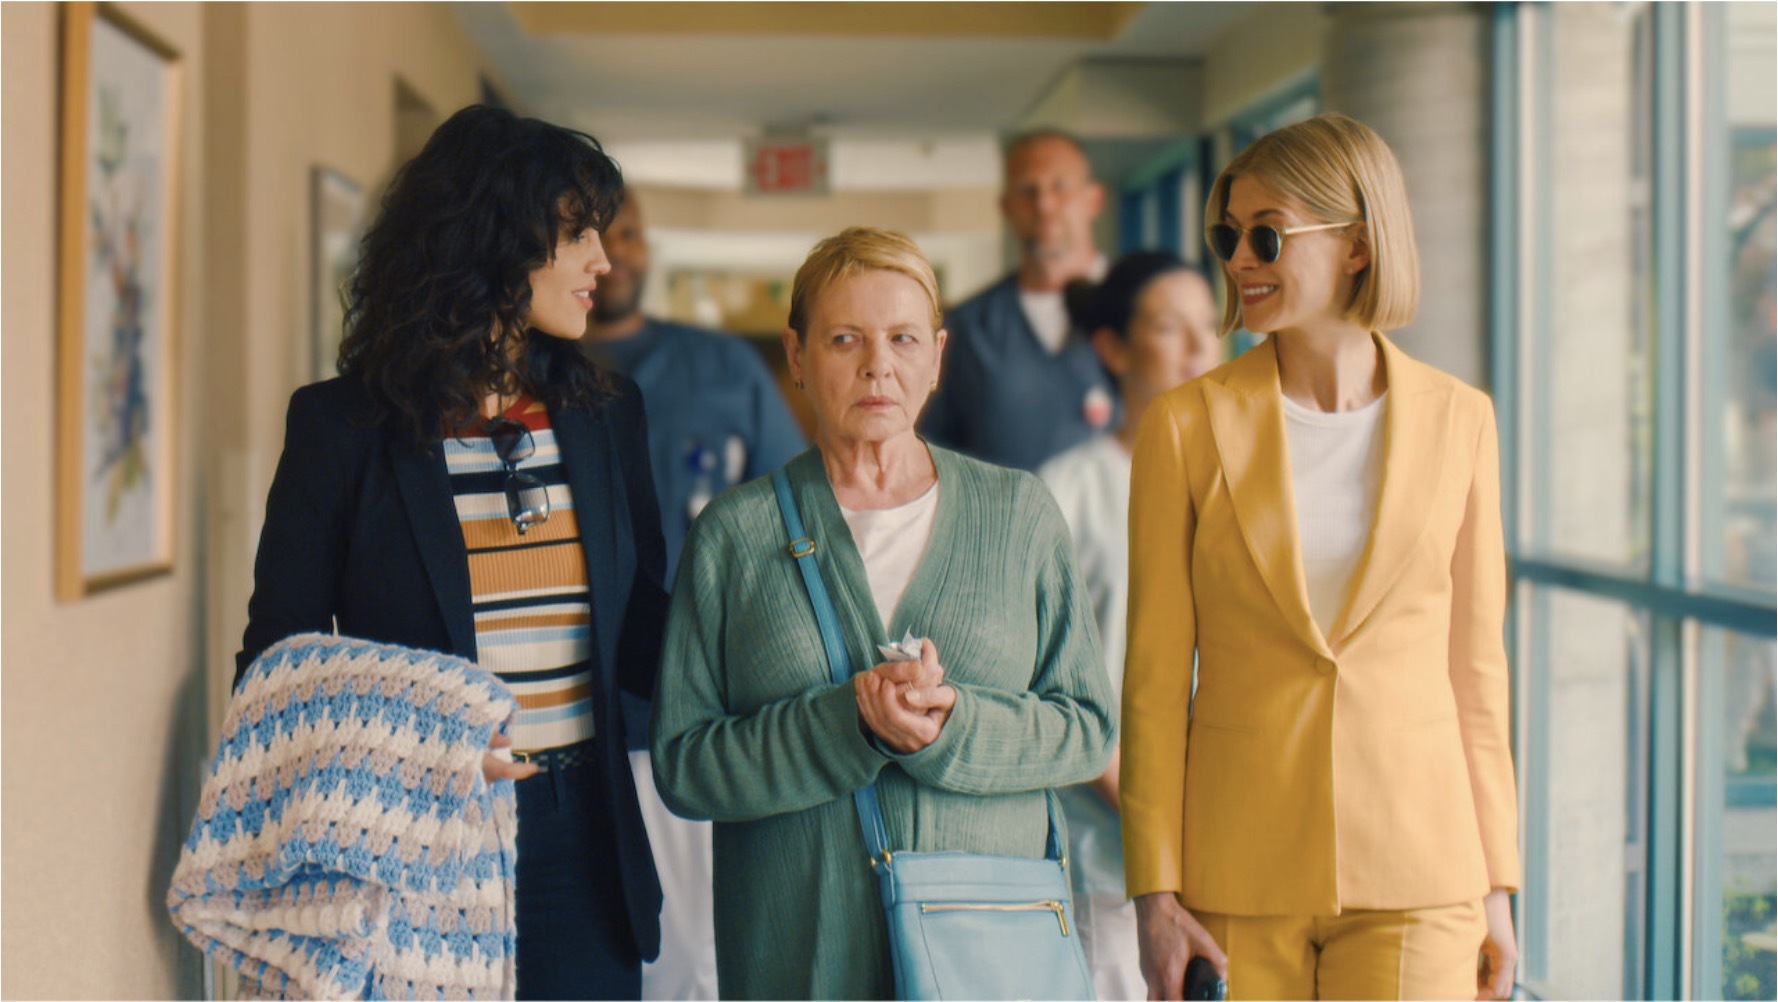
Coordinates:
97 694
308 85
107 704
949 210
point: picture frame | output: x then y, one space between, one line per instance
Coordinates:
117 410
336 217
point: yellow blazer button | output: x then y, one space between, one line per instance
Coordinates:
1325 666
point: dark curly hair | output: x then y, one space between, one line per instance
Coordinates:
438 304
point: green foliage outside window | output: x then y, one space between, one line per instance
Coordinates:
1749 960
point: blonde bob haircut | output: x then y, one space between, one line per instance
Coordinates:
852 250
1340 170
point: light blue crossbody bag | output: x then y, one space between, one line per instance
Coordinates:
962 925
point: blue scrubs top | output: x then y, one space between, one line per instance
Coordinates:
1002 397
715 419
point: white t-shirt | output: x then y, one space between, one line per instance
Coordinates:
1091 483
1336 473
1047 312
891 541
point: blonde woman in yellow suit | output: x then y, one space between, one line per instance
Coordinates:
1333 815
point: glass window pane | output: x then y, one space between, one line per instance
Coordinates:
1736 878
1585 782
1191 212
1591 354
1740 363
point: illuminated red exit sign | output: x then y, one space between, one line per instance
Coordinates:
786 167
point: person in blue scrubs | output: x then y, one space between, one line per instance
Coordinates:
715 415
1021 384
715 419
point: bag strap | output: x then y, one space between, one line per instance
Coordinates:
839 666
802 548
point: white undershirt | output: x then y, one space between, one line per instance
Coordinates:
1336 473
890 541
1091 483
1047 312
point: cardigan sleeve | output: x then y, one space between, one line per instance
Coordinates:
786 756
1061 730
1479 677
1158 661
303 542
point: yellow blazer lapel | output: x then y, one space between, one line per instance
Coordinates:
1247 422
1416 423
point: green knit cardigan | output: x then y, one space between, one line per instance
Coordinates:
749 730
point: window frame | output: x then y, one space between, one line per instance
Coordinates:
1677 934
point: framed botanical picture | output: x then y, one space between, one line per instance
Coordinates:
336 213
117 416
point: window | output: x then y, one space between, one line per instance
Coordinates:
1138 219
1587 721
1635 370
1737 819
1735 860
1740 365
1161 202
1591 392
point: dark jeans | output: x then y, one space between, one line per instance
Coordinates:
573 931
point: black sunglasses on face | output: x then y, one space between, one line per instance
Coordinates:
527 498
1268 241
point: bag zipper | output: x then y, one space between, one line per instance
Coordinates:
1029 906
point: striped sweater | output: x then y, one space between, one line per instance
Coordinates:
533 609
748 729
346 844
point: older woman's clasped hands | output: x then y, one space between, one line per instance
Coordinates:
905 703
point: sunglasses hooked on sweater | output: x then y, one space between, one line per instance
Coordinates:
527 498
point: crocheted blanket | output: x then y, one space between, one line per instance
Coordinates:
346 844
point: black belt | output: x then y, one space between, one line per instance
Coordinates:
558 759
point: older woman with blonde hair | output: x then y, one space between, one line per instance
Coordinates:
750 731
1332 815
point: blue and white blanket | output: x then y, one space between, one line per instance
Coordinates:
346 844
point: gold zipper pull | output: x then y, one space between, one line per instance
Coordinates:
1056 908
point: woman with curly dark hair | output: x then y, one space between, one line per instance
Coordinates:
471 484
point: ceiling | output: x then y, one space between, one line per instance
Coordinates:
651 71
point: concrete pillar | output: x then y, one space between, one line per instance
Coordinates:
1418 74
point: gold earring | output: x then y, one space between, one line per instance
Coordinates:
799 384
934 387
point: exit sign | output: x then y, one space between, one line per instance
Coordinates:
785 167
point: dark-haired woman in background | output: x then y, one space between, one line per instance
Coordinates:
472 484
1153 324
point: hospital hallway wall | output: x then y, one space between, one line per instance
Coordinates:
1594 194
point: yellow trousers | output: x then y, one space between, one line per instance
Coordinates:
1421 953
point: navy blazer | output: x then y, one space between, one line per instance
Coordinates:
361 531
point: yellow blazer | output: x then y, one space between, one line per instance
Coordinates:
1369 769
